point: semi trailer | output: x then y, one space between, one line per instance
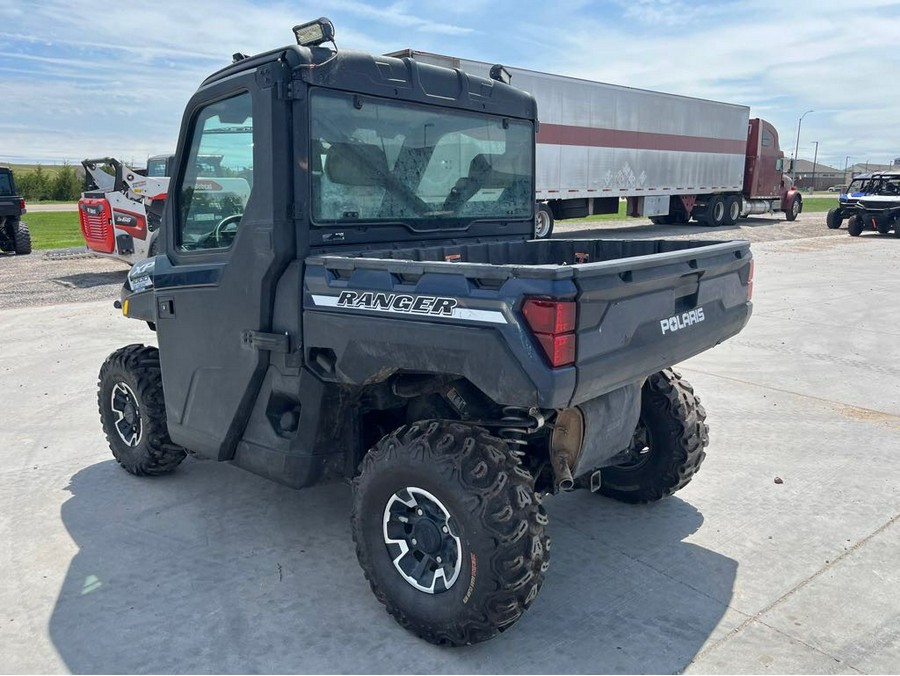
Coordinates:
673 158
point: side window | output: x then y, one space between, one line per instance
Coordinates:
218 177
767 138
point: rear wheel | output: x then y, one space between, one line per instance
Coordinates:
732 209
543 222
715 211
833 219
855 226
133 412
668 444
449 531
23 240
897 227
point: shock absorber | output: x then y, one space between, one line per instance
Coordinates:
517 424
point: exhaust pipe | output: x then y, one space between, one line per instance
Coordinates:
561 473
565 447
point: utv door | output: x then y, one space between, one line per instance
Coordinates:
228 238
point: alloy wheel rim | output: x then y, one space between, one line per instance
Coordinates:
127 412
421 539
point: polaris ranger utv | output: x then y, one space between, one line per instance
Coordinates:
14 234
375 311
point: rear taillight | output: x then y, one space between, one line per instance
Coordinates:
553 324
750 279
22 204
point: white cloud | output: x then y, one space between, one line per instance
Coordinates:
113 78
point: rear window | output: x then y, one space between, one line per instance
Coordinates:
6 188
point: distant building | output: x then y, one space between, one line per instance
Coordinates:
825 176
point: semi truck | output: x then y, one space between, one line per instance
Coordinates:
374 312
673 158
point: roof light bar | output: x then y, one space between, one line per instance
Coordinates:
315 32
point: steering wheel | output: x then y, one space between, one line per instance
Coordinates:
220 230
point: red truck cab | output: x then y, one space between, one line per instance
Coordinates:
764 177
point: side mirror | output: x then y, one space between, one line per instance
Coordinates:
779 164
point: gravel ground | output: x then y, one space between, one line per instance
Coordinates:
52 277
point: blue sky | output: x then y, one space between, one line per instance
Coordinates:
112 78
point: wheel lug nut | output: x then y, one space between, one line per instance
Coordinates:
414 541
445 529
419 512
438 559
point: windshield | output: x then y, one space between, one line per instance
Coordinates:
157 167
5 185
383 161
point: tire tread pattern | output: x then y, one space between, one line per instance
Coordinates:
682 439
141 362
23 240
502 499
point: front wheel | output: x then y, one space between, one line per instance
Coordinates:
133 412
833 219
543 222
668 444
449 531
855 226
795 208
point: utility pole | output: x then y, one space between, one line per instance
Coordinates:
815 157
846 164
797 147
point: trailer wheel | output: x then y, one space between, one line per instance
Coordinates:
795 208
543 222
23 240
668 444
732 209
855 226
449 531
833 219
133 412
715 211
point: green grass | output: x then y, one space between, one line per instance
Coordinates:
54 230
814 205
49 169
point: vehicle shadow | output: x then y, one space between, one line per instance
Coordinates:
88 280
212 570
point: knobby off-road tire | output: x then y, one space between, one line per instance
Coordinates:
493 549
668 446
833 218
855 226
23 240
133 412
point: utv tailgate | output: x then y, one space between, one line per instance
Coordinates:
640 314
642 305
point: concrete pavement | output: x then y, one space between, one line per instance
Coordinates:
212 569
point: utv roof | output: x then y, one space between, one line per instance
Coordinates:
386 76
